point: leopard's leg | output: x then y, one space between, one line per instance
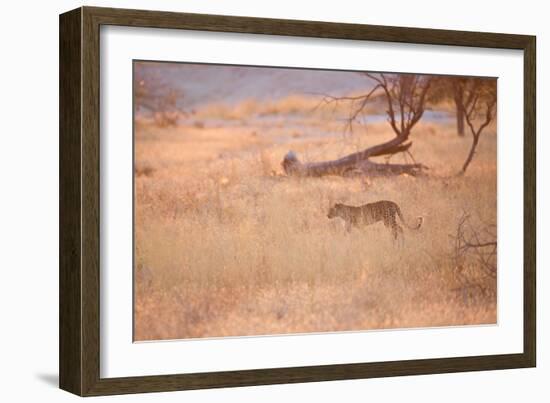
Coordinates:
399 235
397 232
390 224
348 226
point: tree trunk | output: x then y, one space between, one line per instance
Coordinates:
460 121
470 154
458 97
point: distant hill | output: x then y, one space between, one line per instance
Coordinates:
204 83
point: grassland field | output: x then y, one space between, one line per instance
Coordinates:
227 245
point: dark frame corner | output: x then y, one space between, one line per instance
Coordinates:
79 200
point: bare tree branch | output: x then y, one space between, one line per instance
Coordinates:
469 243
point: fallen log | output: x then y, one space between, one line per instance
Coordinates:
356 163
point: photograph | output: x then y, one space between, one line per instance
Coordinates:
274 200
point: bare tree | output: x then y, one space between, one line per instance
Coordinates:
405 96
478 105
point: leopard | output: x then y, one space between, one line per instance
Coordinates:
370 213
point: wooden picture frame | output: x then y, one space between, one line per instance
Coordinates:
79 348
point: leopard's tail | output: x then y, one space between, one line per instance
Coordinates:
419 220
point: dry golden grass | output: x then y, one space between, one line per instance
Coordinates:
228 246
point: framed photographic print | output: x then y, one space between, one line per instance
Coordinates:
249 201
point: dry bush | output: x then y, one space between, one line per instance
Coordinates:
166 118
